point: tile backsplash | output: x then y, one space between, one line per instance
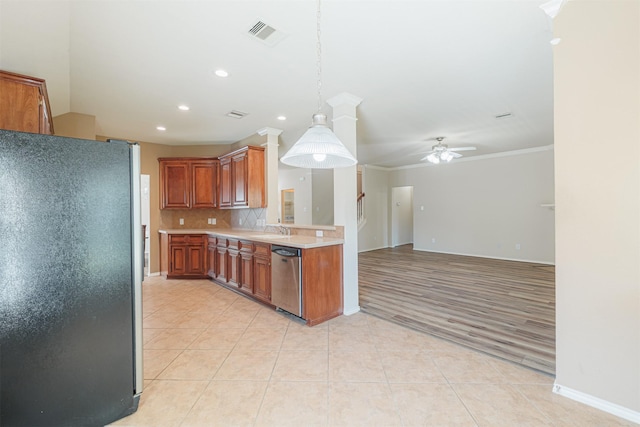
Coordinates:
249 219
194 218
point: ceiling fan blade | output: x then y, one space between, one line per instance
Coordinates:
462 149
455 155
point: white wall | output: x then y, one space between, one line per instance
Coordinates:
45 24
375 232
484 207
301 181
322 197
597 105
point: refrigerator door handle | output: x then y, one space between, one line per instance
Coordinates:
137 266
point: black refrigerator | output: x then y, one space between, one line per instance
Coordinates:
71 268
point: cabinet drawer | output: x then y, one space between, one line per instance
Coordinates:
186 238
246 246
222 243
262 249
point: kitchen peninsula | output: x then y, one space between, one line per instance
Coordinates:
241 260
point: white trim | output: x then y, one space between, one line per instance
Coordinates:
269 131
380 168
351 311
482 256
344 116
481 157
372 249
157 273
344 98
596 402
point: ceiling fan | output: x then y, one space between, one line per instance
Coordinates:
442 153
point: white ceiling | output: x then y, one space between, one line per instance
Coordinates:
423 68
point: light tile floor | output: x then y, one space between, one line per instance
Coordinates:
215 358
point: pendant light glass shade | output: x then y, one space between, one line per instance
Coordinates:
319 148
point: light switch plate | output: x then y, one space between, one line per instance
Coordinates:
213 221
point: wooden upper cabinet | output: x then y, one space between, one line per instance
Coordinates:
174 184
24 104
244 180
225 183
204 180
188 183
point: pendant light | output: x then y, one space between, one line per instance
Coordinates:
319 147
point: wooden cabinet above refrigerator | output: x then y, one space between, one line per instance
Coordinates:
24 104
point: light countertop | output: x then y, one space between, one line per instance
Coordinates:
302 242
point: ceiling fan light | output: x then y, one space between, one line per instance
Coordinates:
433 158
319 148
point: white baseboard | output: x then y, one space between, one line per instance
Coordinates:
157 273
372 249
484 256
351 311
596 402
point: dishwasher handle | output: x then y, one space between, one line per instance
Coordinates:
285 251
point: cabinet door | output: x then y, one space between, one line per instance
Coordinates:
196 260
262 278
221 264
239 180
225 183
178 264
24 104
204 177
246 272
233 267
174 184
211 258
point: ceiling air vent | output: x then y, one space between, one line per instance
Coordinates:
503 115
265 33
236 114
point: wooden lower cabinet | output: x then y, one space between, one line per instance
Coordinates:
211 257
221 260
233 263
262 272
246 267
321 284
187 256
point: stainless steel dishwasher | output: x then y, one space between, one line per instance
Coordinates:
286 285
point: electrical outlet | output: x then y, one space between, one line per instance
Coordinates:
433 240
213 221
209 221
517 246
319 233
240 221
181 221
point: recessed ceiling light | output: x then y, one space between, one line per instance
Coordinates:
161 128
282 118
222 73
183 107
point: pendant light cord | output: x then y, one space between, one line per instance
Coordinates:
319 57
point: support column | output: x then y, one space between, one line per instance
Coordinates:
345 195
271 163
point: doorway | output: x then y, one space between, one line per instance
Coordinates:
401 216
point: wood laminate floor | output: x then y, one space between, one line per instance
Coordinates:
503 308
